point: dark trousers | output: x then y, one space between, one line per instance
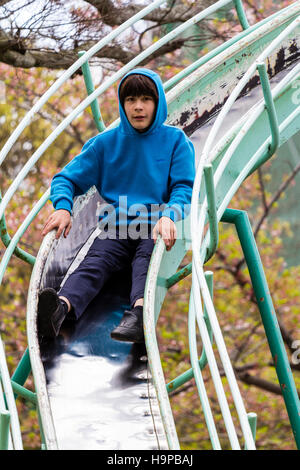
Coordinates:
104 258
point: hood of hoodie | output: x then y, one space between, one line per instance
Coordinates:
161 109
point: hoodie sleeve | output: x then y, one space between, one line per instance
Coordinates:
76 178
181 179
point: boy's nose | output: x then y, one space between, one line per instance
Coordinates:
138 104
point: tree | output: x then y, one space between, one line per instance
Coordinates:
51 33
53 36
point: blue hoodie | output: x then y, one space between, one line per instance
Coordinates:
142 176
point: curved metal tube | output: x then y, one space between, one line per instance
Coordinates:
10 400
197 226
6 239
21 230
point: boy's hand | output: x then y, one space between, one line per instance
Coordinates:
60 219
167 229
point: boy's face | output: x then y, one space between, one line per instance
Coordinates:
139 111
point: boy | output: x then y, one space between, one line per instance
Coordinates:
150 163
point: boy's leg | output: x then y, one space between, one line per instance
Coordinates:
140 265
103 259
131 326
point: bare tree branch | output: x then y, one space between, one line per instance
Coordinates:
17 57
262 188
114 16
260 383
52 35
191 383
3 2
276 196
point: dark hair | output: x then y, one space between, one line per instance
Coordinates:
137 85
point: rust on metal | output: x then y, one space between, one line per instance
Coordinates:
191 120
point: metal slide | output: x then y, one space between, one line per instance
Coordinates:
98 391
236 105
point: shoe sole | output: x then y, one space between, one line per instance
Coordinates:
127 339
46 306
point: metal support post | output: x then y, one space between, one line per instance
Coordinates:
268 316
90 89
23 255
241 14
270 107
23 369
189 374
252 419
4 429
213 227
211 211
265 83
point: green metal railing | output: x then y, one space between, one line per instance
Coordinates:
90 89
268 316
260 156
9 422
284 372
4 429
269 320
189 374
6 239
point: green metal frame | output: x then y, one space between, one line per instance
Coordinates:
283 96
17 381
20 376
4 429
285 377
211 211
6 239
264 301
241 13
90 89
189 374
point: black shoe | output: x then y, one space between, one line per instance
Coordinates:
51 313
131 326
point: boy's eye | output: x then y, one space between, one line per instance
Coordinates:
131 99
